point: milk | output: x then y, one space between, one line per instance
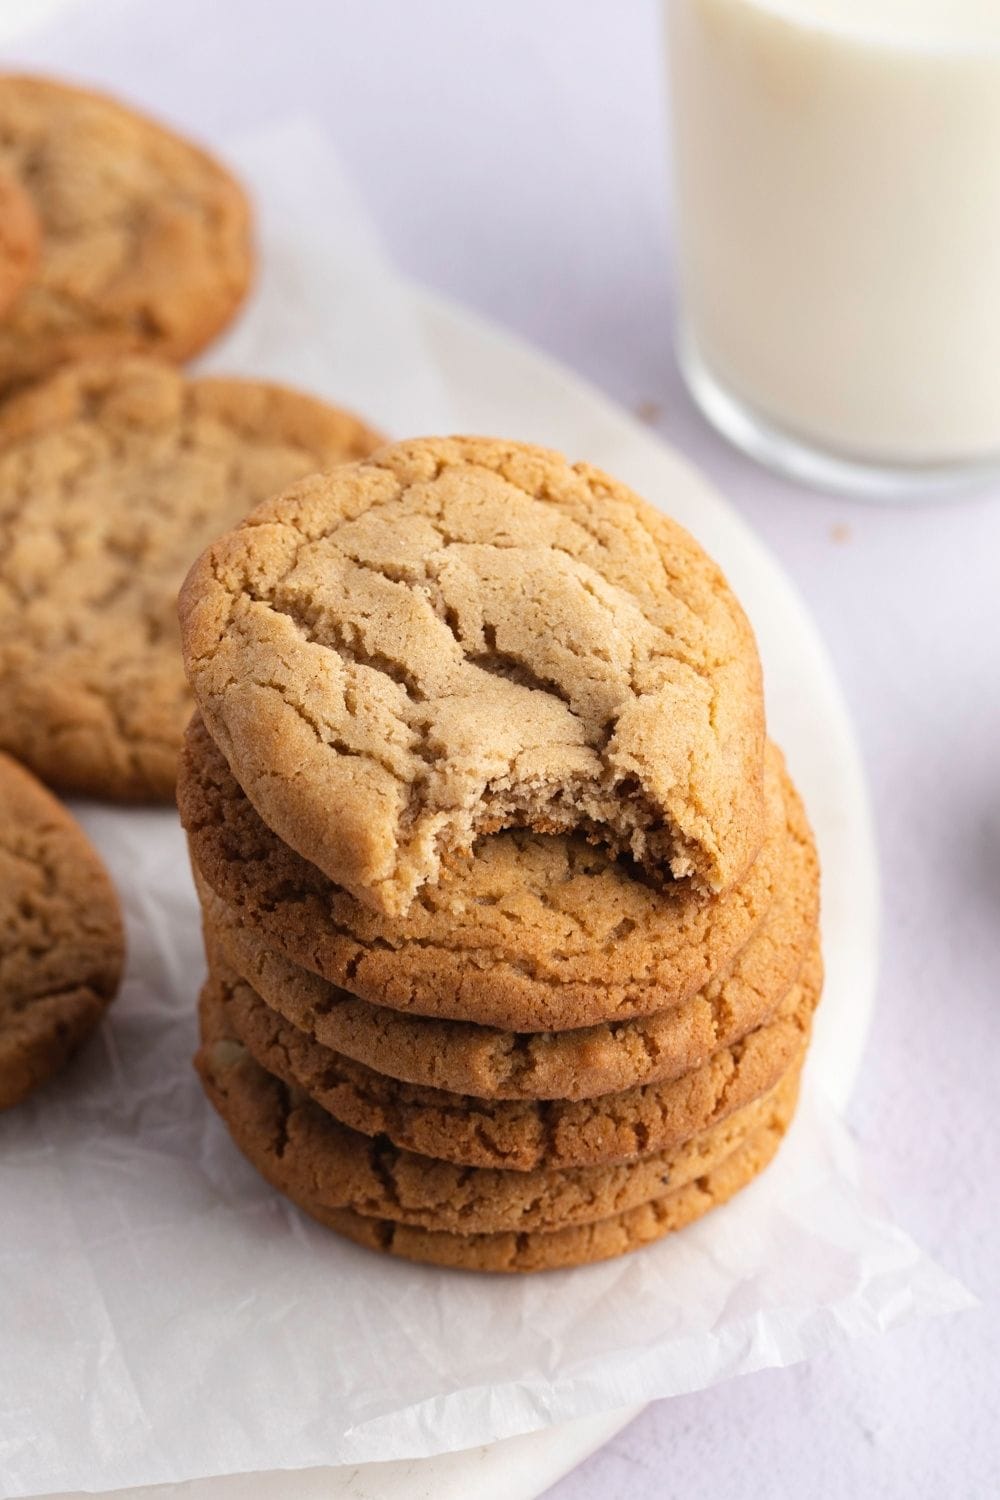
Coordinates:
837 168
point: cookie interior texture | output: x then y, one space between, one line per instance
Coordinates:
533 933
520 1135
20 239
61 940
465 635
113 475
145 239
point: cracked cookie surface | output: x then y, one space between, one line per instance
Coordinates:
464 1058
20 239
113 475
309 1154
463 635
521 1135
534 933
145 238
61 941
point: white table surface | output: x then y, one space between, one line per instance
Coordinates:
513 157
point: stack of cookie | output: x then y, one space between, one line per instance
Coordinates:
510 908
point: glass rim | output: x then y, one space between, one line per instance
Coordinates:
860 32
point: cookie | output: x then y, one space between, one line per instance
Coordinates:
520 1135
534 934
464 1058
145 239
112 476
61 941
463 635
20 239
577 1245
308 1154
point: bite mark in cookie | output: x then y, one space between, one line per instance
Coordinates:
535 933
464 635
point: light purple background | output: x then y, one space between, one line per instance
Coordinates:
513 156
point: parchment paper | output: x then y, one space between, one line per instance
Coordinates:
164 1315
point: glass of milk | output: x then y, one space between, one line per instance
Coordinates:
837 167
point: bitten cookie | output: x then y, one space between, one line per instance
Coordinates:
145 239
61 940
464 635
532 934
113 475
521 1135
20 239
306 1153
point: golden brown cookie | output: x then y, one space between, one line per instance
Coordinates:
307 1154
113 475
534 933
20 239
145 239
520 1135
580 1244
463 635
61 941
464 1058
